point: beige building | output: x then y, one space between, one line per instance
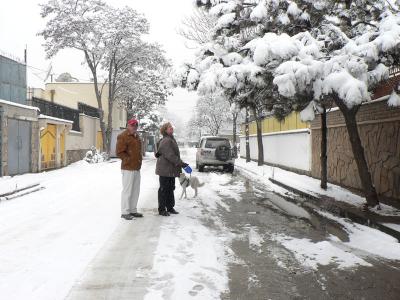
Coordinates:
71 93
74 101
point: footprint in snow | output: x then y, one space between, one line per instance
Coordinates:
195 289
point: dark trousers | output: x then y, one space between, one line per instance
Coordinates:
166 199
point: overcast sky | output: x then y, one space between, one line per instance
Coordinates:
20 22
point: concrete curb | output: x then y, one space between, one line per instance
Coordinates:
344 210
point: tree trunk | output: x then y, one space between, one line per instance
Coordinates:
112 73
111 87
248 158
234 117
260 143
358 152
109 127
93 69
324 156
259 139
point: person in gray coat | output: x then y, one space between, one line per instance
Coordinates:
169 165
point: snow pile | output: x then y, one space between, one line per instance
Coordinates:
368 239
304 183
323 253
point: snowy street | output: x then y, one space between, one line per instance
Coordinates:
236 240
282 115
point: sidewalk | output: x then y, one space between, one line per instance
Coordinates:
335 199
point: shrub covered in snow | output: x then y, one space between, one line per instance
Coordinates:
93 156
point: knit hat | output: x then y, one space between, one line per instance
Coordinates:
133 122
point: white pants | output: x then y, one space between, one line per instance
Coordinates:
130 191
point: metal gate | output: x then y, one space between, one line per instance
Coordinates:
19 146
48 139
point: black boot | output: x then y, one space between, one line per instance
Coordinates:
127 217
163 213
136 215
173 211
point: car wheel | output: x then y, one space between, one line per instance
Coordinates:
201 168
229 168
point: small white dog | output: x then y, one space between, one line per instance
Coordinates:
193 182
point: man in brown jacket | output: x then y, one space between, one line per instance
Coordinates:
129 150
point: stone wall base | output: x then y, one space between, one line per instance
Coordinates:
75 155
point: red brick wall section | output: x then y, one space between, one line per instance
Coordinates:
387 87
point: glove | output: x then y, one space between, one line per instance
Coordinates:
157 154
184 165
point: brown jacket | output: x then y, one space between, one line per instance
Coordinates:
169 164
129 150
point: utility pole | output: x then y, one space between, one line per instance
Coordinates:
26 71
248 158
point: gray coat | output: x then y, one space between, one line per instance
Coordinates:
169 164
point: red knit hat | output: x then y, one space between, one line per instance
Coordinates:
133 122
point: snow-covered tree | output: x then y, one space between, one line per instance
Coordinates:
212 112
143 91
197 28
151 122
297 54
122 29
77 24
359 41
111 40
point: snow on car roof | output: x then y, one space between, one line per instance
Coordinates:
213 137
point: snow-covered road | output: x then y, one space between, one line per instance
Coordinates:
68 240
48 237
236 240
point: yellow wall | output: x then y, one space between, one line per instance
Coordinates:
70 93
99 141
270 124
252 128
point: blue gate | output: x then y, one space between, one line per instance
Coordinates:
19 147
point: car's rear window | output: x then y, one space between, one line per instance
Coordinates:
214 143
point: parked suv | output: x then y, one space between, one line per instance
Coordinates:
214 151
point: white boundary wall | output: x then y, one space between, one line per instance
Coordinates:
86 138
291 149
